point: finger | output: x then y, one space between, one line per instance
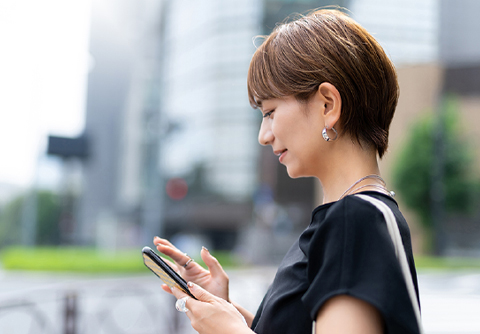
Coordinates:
173 252
167 289
171 264
164 243
212 263
200 293
158 240
178 293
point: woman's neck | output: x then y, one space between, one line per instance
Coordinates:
349 164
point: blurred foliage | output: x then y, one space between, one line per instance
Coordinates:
71 259
48 214
446 263
412 173
10 222
49 211
86 260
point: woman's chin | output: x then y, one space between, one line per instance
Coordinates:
294 173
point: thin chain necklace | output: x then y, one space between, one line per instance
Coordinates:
371 176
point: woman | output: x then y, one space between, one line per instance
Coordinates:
327 93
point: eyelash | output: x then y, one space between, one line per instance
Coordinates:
268 114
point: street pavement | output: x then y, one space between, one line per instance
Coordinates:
450 302
36 302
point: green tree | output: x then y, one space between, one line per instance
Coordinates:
49 211
47 219
412 173
10 222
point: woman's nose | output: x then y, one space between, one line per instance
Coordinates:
265 135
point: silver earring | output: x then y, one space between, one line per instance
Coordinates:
325 134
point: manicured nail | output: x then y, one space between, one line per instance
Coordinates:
205 248
190 285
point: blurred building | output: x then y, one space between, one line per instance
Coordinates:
124 45
173 141
212 146
407 29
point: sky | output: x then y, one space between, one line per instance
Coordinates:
44 64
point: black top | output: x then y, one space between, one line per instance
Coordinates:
346 250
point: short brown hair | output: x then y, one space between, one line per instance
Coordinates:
329 46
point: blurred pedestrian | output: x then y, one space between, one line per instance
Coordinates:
327 93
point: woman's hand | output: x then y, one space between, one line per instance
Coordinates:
214 280
210 314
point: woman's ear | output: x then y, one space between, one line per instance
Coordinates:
332 103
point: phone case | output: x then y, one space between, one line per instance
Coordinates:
168 276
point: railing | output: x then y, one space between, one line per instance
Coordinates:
137 305
102 306
67 304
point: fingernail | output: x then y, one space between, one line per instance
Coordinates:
190 285
205 248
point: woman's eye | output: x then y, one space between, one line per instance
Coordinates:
268 114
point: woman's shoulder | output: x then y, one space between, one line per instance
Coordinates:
350 251
351 211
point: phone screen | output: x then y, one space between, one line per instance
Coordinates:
168 276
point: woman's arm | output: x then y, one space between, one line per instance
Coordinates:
246 314
346 314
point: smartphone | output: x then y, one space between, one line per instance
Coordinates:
168 276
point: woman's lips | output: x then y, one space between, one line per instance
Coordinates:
282 156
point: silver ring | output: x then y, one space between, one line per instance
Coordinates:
180 304
188 262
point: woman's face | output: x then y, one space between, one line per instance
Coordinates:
293 129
